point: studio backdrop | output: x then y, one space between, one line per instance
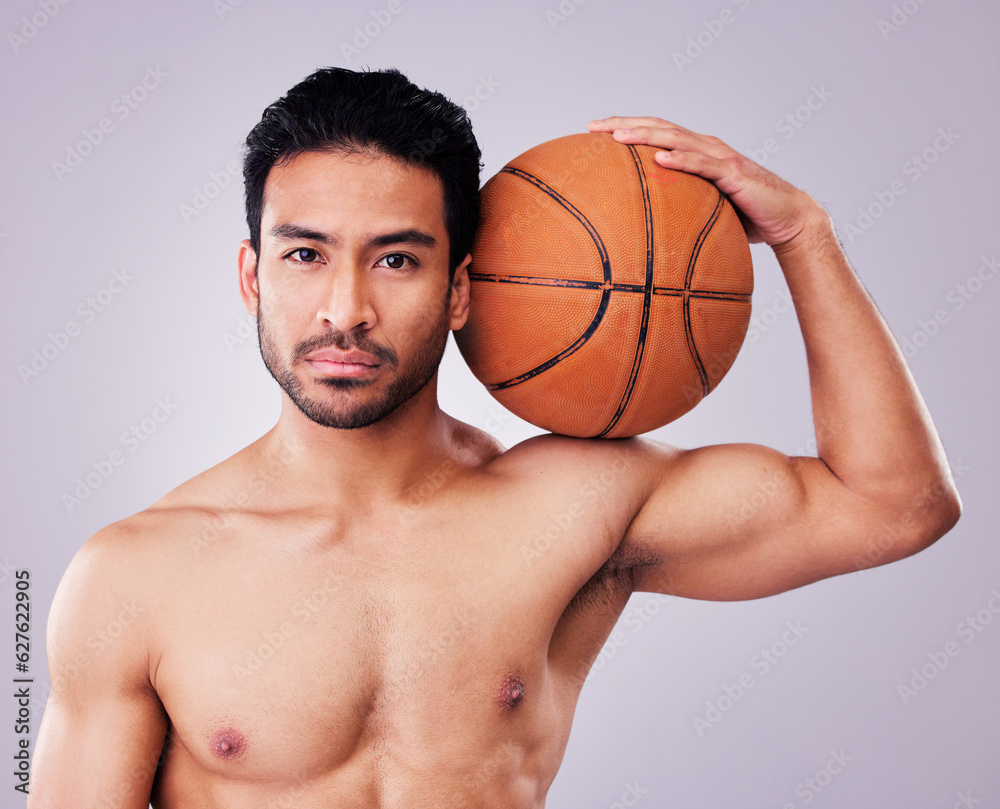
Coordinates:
130 365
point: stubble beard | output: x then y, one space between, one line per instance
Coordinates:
342 412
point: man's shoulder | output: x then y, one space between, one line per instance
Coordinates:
109 586
565 455
146 540
618 475
154 536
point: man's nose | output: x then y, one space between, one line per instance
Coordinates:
347 302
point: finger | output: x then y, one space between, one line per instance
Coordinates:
718 170
621 122
674 137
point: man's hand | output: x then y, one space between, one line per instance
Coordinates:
772 211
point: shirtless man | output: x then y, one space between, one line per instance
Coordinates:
356 609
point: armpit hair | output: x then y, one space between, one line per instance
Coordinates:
613 583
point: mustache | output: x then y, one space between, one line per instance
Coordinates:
346 342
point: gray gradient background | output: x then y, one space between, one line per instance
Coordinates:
164 336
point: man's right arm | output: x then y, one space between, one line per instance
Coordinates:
104 726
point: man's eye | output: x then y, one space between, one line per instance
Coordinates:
397 261
303 255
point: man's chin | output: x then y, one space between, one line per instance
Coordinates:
354 409
339 419
342 415
344 382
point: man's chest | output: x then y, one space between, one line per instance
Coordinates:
278 655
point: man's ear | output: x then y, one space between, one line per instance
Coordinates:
460 287
248 277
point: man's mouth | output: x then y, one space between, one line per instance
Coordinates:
342 363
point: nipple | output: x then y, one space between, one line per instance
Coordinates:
511 692
228 744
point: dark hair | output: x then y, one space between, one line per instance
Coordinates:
336 109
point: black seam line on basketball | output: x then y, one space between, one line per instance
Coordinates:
692 261
703 293
602 307
640 345
617 286
542 281
569 206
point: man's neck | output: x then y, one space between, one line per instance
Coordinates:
334 467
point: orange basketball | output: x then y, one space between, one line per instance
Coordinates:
609 294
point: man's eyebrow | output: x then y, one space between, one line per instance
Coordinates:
290 232
406 236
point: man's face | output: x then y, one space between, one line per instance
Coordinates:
351 294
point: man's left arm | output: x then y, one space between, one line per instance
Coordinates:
740 521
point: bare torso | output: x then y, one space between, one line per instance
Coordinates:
428 651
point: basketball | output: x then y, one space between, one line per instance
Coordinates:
609 295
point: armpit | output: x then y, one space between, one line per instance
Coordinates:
614 581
